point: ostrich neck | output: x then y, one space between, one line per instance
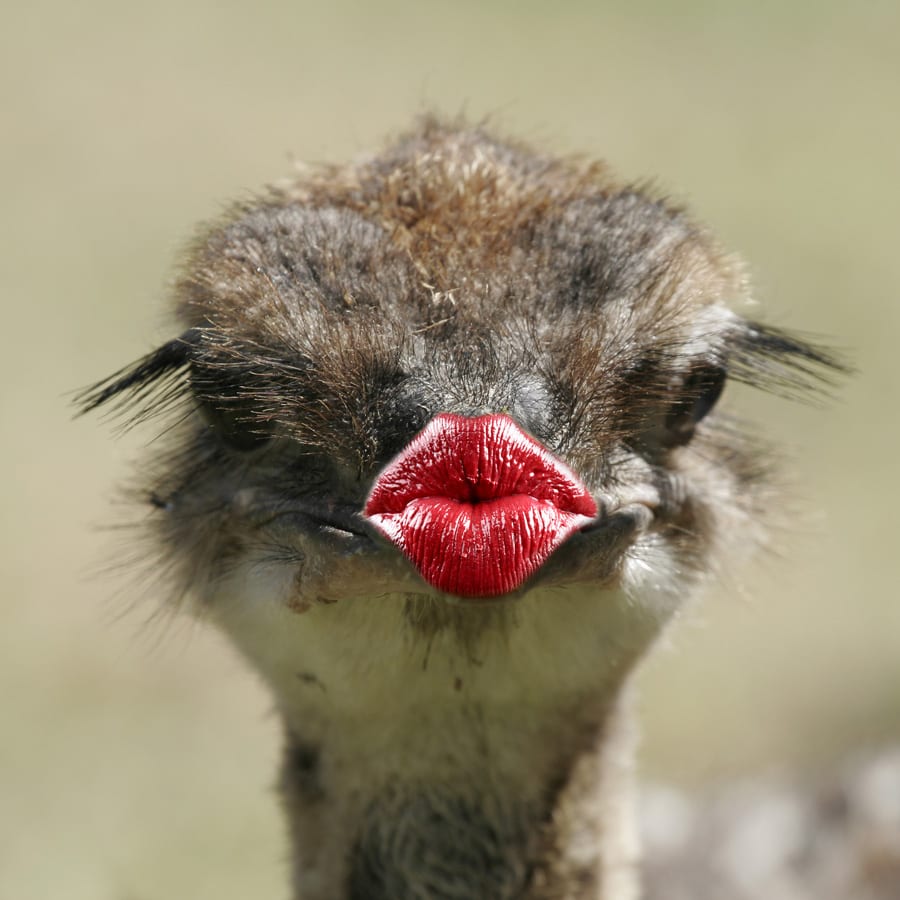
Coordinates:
436 751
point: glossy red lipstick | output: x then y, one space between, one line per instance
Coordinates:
477 505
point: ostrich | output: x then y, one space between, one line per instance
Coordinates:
443 459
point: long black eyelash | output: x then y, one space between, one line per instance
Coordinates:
777 361
159 377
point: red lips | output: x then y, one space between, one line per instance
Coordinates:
477 505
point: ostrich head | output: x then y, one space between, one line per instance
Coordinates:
445 454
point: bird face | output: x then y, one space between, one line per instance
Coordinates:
459 370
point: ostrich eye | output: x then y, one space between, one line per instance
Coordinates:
236 425
699 393
231 414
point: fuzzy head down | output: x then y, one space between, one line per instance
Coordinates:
328 322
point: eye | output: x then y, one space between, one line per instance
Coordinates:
232 415
698 395
238 429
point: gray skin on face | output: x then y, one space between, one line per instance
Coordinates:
438 748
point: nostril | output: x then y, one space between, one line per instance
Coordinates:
462 389
532 406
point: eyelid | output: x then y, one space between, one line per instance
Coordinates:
669 418
700 391
705 384
227 410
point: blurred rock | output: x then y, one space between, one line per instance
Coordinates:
778 838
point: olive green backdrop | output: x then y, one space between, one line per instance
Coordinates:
136 753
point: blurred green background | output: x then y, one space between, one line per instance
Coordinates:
136 757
